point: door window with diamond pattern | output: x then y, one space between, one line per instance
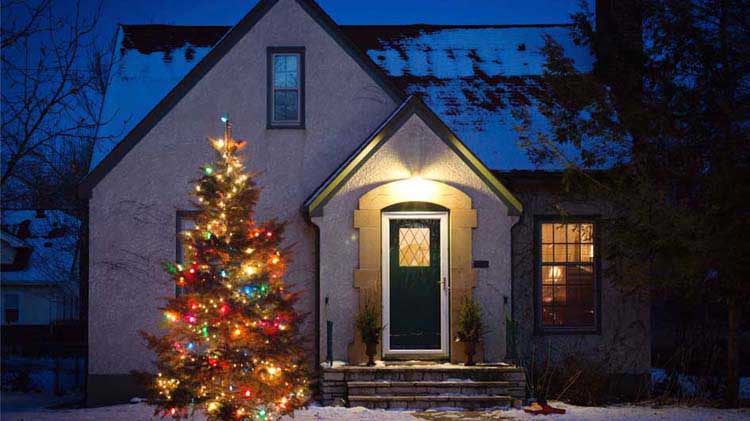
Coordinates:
413 247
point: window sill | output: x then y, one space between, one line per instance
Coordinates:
546 331
285 126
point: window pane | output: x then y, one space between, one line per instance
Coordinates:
561 296
547 256
285 71
186 252
559 231
547 233
553 275
560 253
578 296
575 316
548 316
587 233
574 233
587 253
414 247
574 252
546 295
580 275
285 106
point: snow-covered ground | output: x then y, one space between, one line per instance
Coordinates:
140 411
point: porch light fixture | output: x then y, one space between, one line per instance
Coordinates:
416 189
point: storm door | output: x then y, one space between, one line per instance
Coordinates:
415 284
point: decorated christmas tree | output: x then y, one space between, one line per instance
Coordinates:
232 346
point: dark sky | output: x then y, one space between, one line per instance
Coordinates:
228 12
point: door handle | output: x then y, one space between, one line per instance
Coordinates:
444 284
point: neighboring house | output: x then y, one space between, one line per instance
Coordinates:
375 143
39 273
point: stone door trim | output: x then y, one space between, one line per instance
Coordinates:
367 220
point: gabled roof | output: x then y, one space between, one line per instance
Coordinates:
472 76
209 61
413 105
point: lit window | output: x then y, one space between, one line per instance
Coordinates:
11 304
286 87
413 247
567 276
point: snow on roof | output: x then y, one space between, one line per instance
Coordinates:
470 76
53 236
149 61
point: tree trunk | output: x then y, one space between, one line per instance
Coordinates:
732 392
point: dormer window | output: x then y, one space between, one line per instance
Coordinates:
286 87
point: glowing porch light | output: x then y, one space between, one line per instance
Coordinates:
415 189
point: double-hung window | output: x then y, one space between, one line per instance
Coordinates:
286 87
185 253
567 298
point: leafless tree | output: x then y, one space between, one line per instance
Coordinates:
54 75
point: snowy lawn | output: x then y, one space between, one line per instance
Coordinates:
140 411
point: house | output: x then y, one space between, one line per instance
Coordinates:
39 272
390 151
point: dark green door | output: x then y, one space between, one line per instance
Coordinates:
415 287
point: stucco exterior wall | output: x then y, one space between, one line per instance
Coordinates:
623 346
133 208
414 150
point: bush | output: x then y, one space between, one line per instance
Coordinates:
368 322
471 328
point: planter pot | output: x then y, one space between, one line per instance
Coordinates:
470 348
371 348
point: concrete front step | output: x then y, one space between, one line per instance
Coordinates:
402 388
429 401
428 373
340 383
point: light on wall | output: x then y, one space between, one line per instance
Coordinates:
415 189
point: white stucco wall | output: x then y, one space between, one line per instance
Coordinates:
414 150
133 208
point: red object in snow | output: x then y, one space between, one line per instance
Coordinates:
542 409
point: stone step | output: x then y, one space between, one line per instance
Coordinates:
404 388
429 401
424 373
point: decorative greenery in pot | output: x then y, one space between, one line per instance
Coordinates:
471 328
368 323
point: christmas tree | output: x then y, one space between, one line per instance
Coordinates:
232 346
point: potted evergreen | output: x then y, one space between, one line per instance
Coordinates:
471 328
368 323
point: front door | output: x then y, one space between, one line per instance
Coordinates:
415 284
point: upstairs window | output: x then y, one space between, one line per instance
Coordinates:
286 87
567 272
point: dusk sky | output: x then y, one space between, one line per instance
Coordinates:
228 12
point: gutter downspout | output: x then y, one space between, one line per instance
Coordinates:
512 352
308 218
